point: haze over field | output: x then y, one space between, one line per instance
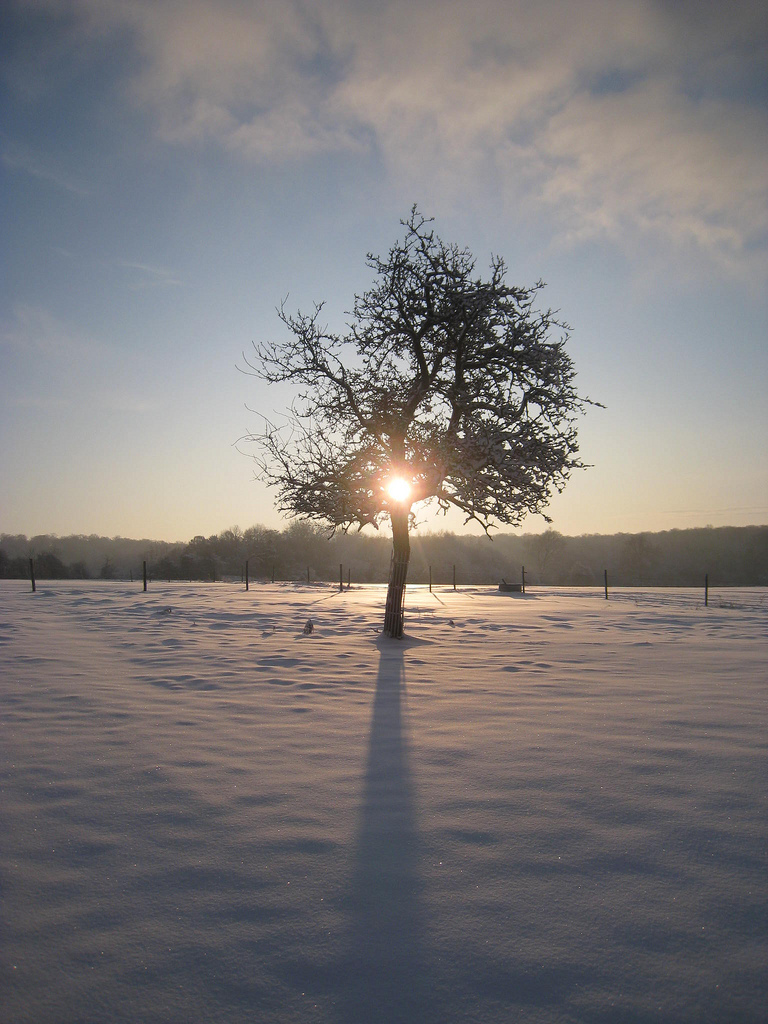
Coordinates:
730 556
170 172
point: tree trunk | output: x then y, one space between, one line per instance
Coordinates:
398 572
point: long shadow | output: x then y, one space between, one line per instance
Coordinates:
387 980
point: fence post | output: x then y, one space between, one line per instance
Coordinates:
523 577
246 574
341 577
706 589
454 577
430 579
605 578
273 574
32 574
349 577
144 573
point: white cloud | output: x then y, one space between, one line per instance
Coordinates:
653 159
613 116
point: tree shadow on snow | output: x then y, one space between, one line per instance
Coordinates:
386 979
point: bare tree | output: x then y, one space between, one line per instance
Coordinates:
443 387
545 546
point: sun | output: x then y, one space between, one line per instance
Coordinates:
399 489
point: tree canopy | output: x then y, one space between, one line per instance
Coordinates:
455 382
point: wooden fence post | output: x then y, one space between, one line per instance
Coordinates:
523 577
246 574
341 577
706 589
605 578
349 577
430 579
454 577
144 572
32 575
273 574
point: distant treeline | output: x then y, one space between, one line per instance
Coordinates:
731 555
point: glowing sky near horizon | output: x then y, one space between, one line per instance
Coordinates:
171 172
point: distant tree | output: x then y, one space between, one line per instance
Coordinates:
305 545
546 546
199 559
107 571
261 548
13 568
580 575
50 567
164 569
443 380
638 556
230 547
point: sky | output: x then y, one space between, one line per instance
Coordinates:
172 169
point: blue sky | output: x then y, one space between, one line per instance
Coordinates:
172 170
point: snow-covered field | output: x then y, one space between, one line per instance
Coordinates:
540 808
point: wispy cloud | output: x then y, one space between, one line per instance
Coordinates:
18 157
146 276
614 116
139 275
63 368
36 332
50 365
